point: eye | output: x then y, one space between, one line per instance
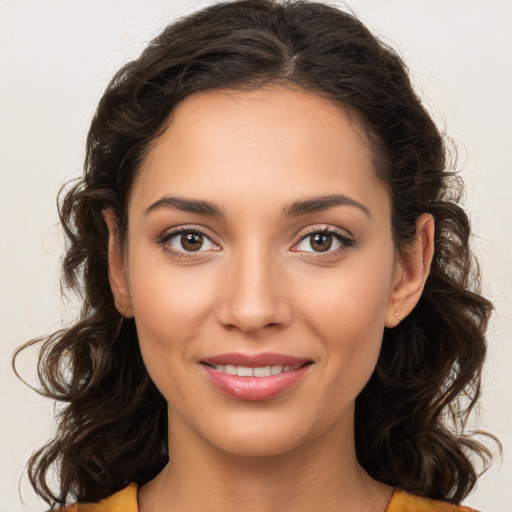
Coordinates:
188 241
323 241
318 242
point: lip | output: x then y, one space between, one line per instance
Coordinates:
255 388
254 360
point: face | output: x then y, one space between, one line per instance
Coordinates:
260 268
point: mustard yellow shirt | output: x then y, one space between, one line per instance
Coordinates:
401 501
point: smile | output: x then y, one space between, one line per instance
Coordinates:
259 371
255 377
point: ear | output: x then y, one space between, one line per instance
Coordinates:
413 268
116 267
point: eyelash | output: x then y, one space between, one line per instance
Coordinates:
342 237
346 241
166 237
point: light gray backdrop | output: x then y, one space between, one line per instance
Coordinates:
56 57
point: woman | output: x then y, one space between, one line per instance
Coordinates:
280 309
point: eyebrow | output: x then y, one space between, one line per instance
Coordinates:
297 208
321 203
186 205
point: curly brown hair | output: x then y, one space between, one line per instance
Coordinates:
112 425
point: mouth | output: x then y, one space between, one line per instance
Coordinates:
255 377
258 371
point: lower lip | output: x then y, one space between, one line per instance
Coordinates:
254 388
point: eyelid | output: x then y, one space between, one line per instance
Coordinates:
180 230
344 237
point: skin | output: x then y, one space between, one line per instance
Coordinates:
257 284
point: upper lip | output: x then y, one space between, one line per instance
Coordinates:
255 360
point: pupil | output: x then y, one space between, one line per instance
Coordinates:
321 242
192 241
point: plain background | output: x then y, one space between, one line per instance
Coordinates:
56 57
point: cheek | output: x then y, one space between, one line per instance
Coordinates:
346 309
170 310
354 297
168 300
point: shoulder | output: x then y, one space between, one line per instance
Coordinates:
402 501
122 501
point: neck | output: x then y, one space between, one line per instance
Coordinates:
323 475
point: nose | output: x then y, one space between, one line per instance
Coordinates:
253 294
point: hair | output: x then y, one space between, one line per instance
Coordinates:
410 418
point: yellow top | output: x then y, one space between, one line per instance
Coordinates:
401 501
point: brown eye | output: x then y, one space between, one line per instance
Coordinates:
321 242
191 241
187 241
324 241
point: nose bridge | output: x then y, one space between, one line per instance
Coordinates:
252 289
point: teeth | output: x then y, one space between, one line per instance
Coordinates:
259 371
231 369
244 371
275 370
262 371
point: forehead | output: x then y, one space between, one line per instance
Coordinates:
275 142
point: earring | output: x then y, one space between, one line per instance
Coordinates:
397 316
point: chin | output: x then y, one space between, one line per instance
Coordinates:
264 434
259 446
